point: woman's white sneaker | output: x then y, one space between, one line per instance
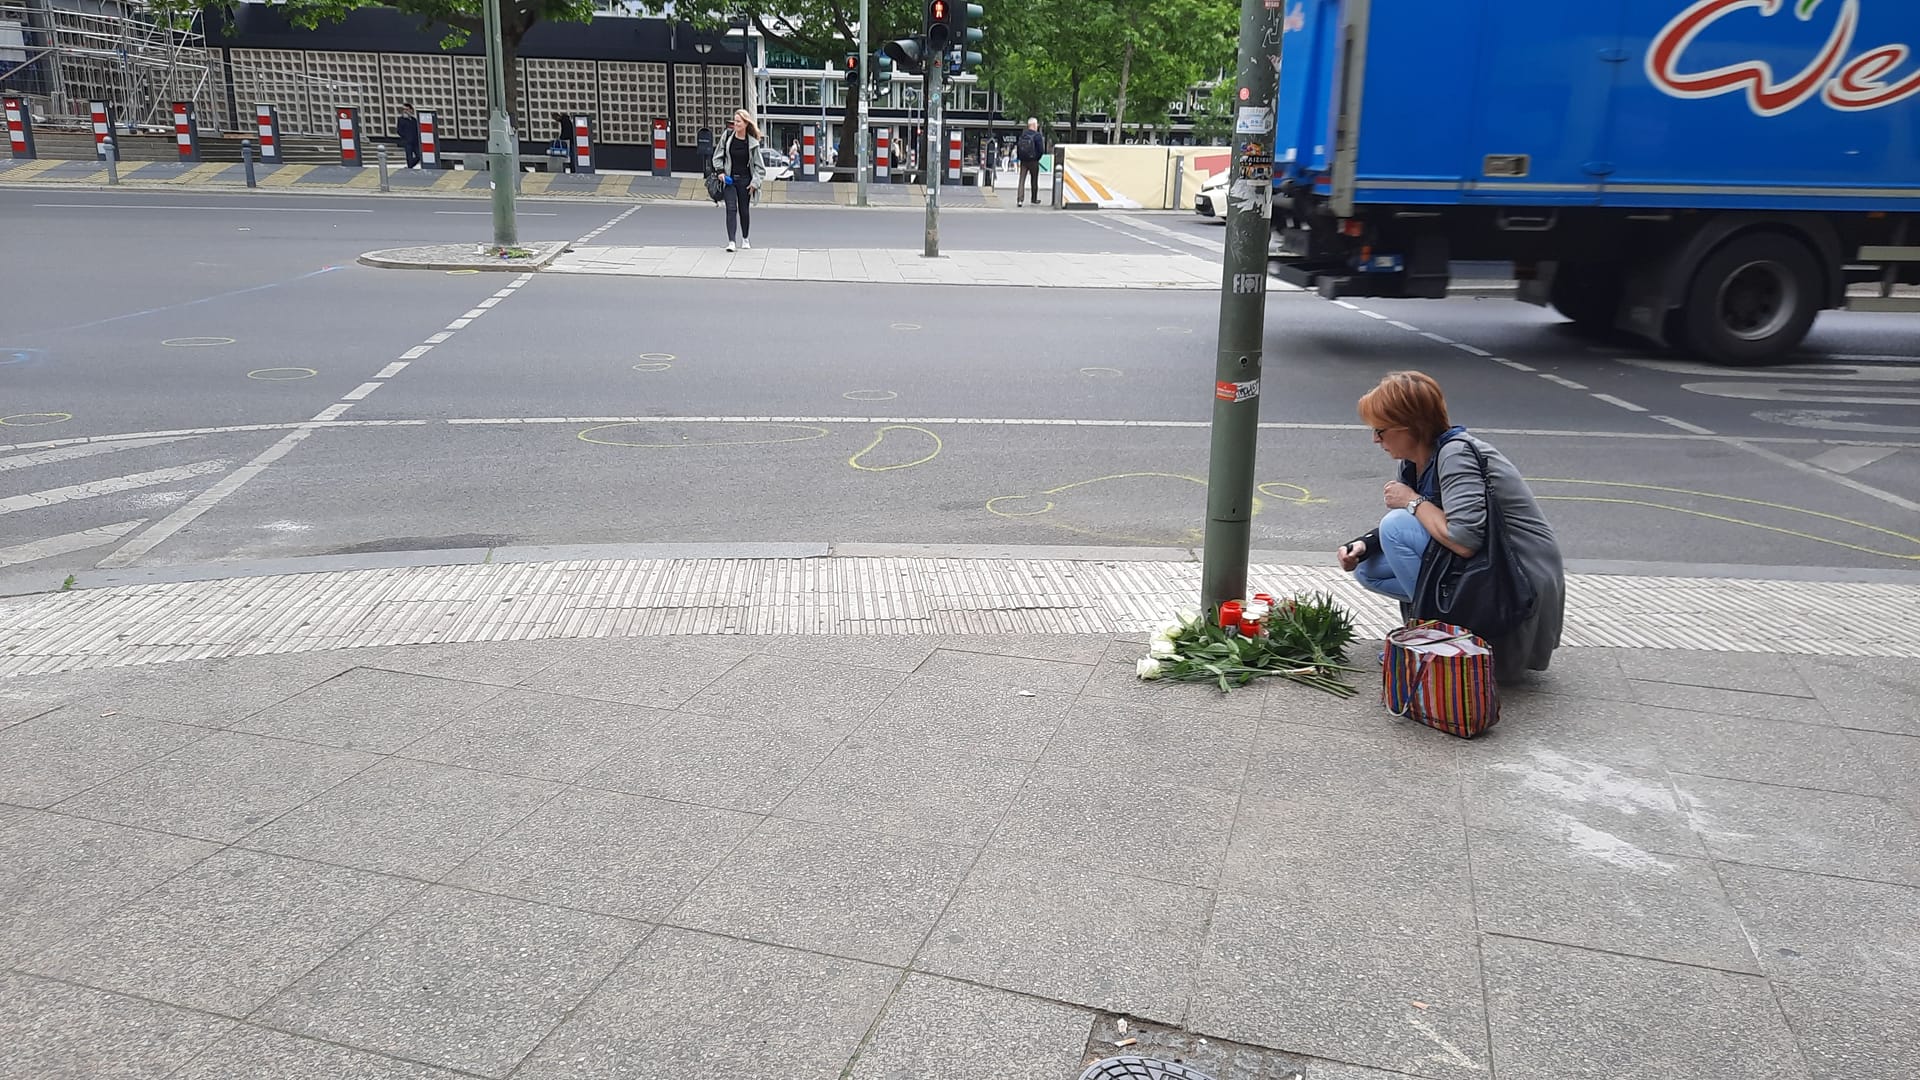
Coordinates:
729 245
746 244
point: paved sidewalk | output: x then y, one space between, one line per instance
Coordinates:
928 856
1041 269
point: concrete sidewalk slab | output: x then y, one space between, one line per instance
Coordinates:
517 869
890 266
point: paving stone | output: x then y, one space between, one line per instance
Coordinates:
910 791
503 663
1296 762
1081 936
1114 677
603 851
1112 818
830 890
1737 703
740 762
17 707
1203 749
403 817
1871 694
56 1031
1846 1034
457 979
933 711
228 934
1609 897
58 874
1291 703
1059 648
69 750
932 1024
660 673
1006 672
690 1004
220 693
540 735
1404 857
1339 980
1614 731
251 1053
1558 1013
1762 673
899 654
369 709
1820 832
220 788
814 696
1895 759
1860 934
1583 673
1581 801
1765 751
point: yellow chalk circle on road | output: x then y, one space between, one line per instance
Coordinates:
1299 495
460 273
903 326
196 342
1101 372
1174 329
653 365
658 357
870 395
281 374
710 435
1729 518
881 437
35 419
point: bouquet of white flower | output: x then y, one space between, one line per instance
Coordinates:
1303 640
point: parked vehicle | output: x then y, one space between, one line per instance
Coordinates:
779 167
1211 200
1708 174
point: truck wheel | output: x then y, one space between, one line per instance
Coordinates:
1589 294
1752 301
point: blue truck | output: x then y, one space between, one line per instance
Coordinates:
1706 174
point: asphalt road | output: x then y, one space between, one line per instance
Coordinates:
610 410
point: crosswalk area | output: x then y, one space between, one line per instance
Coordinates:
82 500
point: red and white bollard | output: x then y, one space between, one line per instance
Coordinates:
19 125
186 131
809 160
349 121
882 155
954 147
661 167
429 138
102 127
583 145
266 120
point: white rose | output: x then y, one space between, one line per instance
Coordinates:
1147 668
1189 616
1162 648
1170 629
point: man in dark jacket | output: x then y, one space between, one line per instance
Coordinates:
407 127
1031 147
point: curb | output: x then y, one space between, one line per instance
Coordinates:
397 259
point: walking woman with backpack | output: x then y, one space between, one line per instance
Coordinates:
736 174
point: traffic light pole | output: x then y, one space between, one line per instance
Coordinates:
503 152
860 129
933 157
1243 311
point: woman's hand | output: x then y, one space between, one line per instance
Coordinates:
1351 555
1398 495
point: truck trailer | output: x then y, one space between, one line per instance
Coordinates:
1709 175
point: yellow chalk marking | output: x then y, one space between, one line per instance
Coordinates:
1174 329
457 273
658 357
1302 496
1189 535
881 436
28 419
870 395
1783 507
652 366
810 433
282 374
904 326
1100 372
196 342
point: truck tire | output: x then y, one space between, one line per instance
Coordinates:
1752 301
1589 294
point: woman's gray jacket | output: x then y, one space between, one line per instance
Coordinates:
723 146
1529 538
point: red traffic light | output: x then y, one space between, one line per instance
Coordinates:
937 11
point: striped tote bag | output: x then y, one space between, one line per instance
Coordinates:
1440 675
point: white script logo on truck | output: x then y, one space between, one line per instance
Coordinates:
1849 85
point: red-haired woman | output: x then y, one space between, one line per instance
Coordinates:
1440 497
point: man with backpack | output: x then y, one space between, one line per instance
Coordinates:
1031 147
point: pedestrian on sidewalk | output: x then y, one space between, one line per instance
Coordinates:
1439 496
736 158
1031 147
407 127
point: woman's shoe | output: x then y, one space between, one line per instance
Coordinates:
729 245
746 244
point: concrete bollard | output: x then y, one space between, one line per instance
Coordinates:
246 159
111 155
384 186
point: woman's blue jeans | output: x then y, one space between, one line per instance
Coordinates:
1396 569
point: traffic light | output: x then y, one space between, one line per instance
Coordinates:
964 34
909 53
939 27
852 74
882 72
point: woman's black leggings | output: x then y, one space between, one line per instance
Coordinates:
739 215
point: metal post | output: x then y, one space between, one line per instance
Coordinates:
1179 178
503 152
384 185
246 160
1243 313
112 154
860 127
932 159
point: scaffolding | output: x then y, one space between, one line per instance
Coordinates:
72 52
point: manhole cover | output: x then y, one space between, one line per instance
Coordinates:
1140 1068
1128 1048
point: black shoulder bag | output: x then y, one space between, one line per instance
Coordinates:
1488 594
716 183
